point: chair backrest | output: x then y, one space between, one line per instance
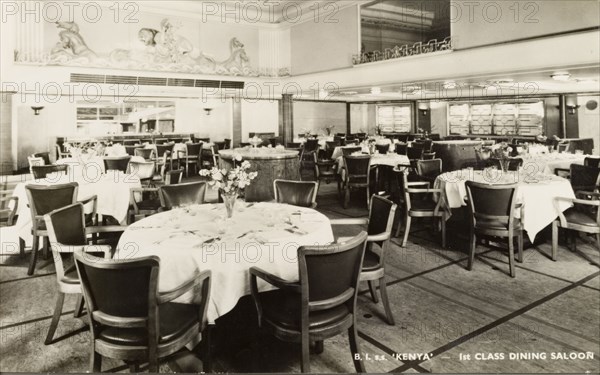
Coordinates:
35 161
491 202
513 163
219 145
161 141
562 147
592 161
382 148
194 149
311 145
44 199
118 163
175 140
429 168
293 145
347 151
173 177
297 193
164 147
66 225
180 195
120 293
401 148
331 145
414 153
41 171
227 144
43 155
428 155
142 169
381 215
357 166
329 274
203 140
583 178
130 149
146 153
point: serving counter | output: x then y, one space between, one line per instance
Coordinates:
270 163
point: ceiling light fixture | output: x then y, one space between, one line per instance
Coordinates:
561 76
450 85
36 110
208 110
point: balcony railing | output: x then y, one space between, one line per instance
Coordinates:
403 51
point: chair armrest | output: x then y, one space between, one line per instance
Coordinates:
170 295
277 281
89 199
418 183
578 201
378 237
590 193
556 170
106 249
105 229
357 221
421 191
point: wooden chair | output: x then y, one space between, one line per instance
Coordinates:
380 223
325 169
583 217
145 201
429 170
164 155
419 206
160 141
291 313
210 157
311 146
118 163
414 153
493 214
130 149
144 170
41 171
592 161
132 142
203 140
191 156
355 174
401 148
42 200
428 156
348 151
513 163
60 154
8 210
130 320
146 153
382 148
181 195
227 144
294 145
68 233
44 155
296 193
583 177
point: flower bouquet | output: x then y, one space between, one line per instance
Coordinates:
230 182
501 151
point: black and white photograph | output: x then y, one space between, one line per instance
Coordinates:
300 186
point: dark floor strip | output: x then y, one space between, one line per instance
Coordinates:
518 265
498 322
27 278
34 320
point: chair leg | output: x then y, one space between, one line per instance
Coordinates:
574 238
386 302
95 362
346 197
511 257
368 196
373 291
34 254
21 247
78 307
473 243
45 246
406 231
443 225
355 349
554 240
206 355
60 299
598 240
319 347
305 360
520 242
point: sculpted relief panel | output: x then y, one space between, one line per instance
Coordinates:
164 50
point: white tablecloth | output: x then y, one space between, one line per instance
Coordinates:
546 163
112 190
257 235
391 159
337 152
536 192
84 167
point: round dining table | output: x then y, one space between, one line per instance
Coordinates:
112 189
536 191
200 237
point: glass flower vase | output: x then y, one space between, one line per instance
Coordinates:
229 200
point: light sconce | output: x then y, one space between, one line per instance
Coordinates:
572 109
423 108
208 110
36 110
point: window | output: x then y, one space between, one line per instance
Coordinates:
394 118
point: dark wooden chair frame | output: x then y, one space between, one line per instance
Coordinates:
301 288
315 191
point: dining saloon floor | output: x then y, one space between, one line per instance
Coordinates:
448 319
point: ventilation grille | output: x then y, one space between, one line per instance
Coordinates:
155 81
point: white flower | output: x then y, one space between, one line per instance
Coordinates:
245 164
237 157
